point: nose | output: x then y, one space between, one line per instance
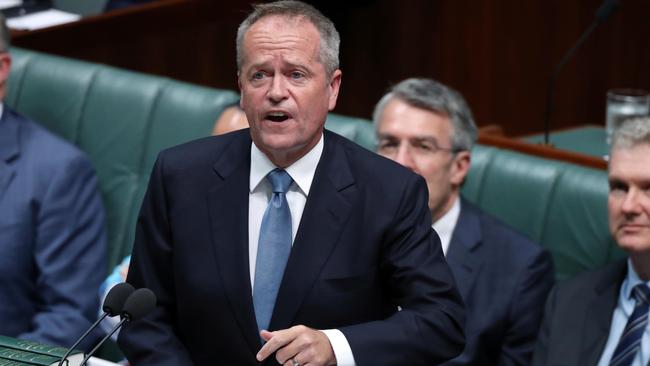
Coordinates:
631 203
278 90
405 157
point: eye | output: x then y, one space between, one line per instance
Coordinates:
385 145
617 187
297 75
257 75
425 146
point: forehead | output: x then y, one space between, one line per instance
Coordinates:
282 34
400 119
630 163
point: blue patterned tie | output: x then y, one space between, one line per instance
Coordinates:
273 248
630 342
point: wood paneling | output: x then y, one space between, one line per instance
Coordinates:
498 53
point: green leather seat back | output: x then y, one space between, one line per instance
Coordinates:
358 130
121 119
562 206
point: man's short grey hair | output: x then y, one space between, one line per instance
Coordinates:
4 34
434 96
329 36
631 133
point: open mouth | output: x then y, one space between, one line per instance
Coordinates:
277 116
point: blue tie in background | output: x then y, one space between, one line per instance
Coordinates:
630 342
273 248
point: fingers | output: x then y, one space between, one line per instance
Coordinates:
297 345
274 341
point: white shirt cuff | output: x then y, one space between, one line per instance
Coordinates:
341 347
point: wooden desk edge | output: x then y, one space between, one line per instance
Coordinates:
543 151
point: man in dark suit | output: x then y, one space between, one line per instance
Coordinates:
286 243
52 236
502 276
601 317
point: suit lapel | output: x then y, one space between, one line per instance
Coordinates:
461 255
323 219
228 208
599 313
9 149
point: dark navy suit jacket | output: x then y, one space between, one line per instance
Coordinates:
578 316
504 279
52 236
364 247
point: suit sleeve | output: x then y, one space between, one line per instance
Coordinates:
429 328
525 316
70 254
152 340
541 347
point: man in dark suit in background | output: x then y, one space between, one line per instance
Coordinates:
601 317
286 243
52 235
502 276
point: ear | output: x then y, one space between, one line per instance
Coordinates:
460 167
5 67
241 94
334 86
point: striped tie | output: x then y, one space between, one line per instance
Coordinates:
630 342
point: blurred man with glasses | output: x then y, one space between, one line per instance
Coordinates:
502 276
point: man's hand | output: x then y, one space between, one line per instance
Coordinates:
297 345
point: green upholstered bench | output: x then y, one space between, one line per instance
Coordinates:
123 119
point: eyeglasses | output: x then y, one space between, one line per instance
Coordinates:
423 146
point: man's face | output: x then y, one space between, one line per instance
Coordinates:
420 140
285 91
629 198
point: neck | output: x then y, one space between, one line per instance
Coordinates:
641 264
442 211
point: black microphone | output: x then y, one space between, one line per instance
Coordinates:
137 305
112 306
606 9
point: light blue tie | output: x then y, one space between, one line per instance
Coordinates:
273 248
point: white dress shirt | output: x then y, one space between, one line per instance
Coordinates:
444 227
302 172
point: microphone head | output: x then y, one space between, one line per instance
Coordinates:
606 10
117 295
138 304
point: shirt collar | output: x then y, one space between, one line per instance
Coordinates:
631 280
446 224
302 171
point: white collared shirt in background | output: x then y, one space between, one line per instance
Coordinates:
446 224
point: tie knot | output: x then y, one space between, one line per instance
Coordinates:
641 293
280 180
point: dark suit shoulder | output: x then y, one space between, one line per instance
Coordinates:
503 239
369 165
204 152
36 139
598 280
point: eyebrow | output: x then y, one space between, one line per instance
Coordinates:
430 139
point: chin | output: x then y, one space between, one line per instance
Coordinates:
634 244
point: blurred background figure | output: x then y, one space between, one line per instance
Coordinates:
502 276
52 235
